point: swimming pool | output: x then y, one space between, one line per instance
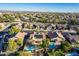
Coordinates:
30 48
33 47
73 54
52 45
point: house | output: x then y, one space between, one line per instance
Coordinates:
52 35
73 27
19 35
50 27
61 26
37 38
56 37
71 38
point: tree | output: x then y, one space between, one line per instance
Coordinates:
0 27
14 30
77 43
19 41
56 53
44 45
73 22
8 17
65 46
28 26
25 53
12 45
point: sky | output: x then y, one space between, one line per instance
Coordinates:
41 7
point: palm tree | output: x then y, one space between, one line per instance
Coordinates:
44 45
65 46
12 45
14 30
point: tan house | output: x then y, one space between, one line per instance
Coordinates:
37 38
58 41
19 35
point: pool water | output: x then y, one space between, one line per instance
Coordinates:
30 48
33 47
73 54
52 45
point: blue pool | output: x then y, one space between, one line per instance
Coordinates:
52 45
30 48
73 54
33 47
